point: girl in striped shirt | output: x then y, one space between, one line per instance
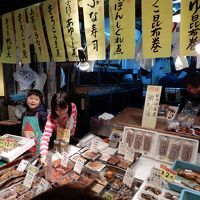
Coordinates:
63 116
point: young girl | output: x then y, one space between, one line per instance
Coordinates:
63 116
34 118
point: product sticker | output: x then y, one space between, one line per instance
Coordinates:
22 165
43 186
129 154
128 177
79 165
108 196
167 174
65 159
95 145
122 148
63 134
31 173
115 135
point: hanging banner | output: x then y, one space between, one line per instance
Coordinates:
190 27
122 29
151 106
93 11
22 34
34 19
1 81
71 29
8 54
52 21
156 28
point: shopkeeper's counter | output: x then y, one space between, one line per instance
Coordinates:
133 117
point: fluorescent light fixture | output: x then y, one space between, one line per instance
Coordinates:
197 47
83 64
176 18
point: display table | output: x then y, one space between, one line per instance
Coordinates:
133 117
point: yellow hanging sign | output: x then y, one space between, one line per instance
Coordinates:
52 21
1 81
122 29
34 19
156 28
189 27
71 29
22 36
9 48
94 29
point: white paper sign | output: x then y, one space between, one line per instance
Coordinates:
43 186
79 165
129 154
128 177
65 159
122 148
95 145
32 171
22 165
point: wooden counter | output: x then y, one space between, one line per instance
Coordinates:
133 117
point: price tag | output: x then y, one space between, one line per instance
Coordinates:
32 171
79 165
129 154
122 148
4 144
43 186
167 174
95 145
65 159
108 196
63 134
22 165
128 177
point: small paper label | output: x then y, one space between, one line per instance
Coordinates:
128 177
22 165
108 196
43 186
65 159
167 174
79 165
95 145
32 171
129 154
63 134
122 148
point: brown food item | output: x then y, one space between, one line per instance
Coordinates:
138 142
113 160
171 196
163 146
152 189
109 174
174 151
148 196
130 137
117 183
189 174
147 142
196 187
186 153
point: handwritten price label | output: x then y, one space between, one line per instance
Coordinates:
167 174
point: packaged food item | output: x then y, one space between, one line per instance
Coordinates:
56 146
130 137
174 151
186 153
147 142
138 142
63 146
153 189
163 146
95 165
97 188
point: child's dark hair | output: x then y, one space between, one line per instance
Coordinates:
35 92
192 79
67 192
60 100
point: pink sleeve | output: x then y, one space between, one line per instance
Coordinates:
74 115
44 143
